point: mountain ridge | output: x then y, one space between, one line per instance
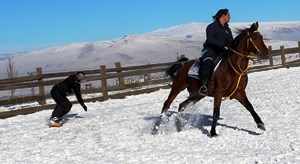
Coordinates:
162 45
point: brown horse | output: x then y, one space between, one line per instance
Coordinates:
228 81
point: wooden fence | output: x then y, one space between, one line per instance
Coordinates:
102 76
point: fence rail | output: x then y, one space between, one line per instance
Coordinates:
120 74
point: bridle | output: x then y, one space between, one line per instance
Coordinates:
249 39
242 72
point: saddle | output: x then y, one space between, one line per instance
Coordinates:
194 70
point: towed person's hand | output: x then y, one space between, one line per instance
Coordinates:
84 107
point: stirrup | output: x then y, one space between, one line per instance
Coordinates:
203 90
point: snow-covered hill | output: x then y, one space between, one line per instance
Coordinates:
161 45
287 31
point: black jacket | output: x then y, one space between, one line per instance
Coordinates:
71 85
217 37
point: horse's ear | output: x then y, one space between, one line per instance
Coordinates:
254 27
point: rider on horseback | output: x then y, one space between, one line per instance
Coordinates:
218 40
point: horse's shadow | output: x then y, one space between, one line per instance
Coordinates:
200 121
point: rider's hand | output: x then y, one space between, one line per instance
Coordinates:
225 51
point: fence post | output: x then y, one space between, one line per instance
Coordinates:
42 92
282 52
104 86
180 56
299 48
120 78
270 56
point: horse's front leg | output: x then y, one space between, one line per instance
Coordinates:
216 114
242 98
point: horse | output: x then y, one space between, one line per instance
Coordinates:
228 81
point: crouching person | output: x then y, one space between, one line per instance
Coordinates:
59 94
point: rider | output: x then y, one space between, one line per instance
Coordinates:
218 40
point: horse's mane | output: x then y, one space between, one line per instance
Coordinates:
241 33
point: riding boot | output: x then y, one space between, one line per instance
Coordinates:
204 73
203 88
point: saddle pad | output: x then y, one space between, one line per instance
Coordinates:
194 70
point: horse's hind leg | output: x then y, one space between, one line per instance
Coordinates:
172 95
181 108
242 98
186 102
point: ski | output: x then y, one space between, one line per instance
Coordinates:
57 125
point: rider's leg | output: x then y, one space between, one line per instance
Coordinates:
204 72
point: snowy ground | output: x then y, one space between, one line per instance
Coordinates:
118 131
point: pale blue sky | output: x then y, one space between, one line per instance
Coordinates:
36 24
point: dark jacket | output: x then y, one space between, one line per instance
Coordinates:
70 85
217 37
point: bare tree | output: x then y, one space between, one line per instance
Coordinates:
11 73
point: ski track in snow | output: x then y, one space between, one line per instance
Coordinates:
119 131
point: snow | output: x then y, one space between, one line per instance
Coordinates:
119 131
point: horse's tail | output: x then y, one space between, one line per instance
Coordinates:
171 71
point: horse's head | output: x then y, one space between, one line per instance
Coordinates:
255 42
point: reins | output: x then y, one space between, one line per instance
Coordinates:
241 72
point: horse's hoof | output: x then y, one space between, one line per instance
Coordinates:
178 123
154 130
213 134
261 126
154 133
